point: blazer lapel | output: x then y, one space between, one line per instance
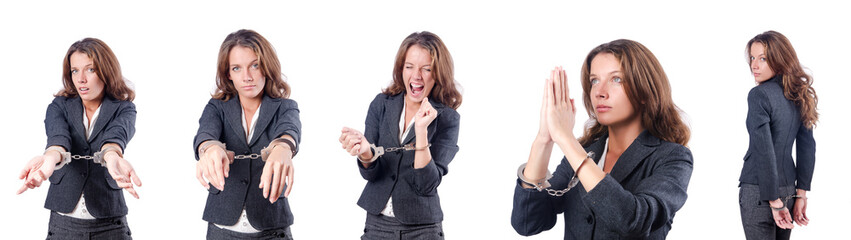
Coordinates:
107 111
74 106
268 109
634 154
233 116
394 108
597 147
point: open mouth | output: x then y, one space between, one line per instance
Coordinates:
417 89
83 90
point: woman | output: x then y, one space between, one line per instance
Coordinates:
631 164
411 137
781 110
248 134
88 125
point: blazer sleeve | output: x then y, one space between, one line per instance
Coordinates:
210 126
289 122
56 125
806 157
123 126
761 144
651 204
373 119
533 211
444 146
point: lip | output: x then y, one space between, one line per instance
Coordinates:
249 87
81 91
603 108
756 74
416 93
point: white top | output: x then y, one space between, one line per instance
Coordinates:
403 133
80 210
602 162
242 225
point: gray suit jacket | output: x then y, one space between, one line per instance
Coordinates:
414 191
774 123
64 126
637 200
222 121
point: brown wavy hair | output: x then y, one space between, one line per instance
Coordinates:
797 84
106 66
275 86
647 89
445 90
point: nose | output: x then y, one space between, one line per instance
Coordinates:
754 65
418 74
246 76
83 78
602 90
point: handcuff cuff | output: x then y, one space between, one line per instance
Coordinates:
784 199
544 184
97 157
377 151
264 153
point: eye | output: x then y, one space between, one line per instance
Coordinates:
762 59
617 80
74 71
235 69
255 66
752 58
91 70
408 67
427 69
594 81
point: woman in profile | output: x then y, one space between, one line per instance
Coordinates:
248 134
626 177
88 124
416 116
781 111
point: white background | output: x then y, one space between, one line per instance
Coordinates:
338 55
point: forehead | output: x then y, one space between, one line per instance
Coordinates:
604 63
239 54
417 54
80 59
757 48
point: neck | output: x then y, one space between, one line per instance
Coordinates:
411 104
92 105
621 136
250 104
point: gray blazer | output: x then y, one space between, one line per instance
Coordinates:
222 121
774 123
64 126
414 191
637 200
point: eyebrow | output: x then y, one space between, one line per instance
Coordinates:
610 73
252 61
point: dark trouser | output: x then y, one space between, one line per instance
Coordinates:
64 227
217 233
756 214
384 227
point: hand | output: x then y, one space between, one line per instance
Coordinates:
214 165
800 210
355 143
543 131
424 116
278 168
123 173
561 112
781 217
38 169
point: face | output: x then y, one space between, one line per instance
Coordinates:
85 77
759 65
608 97
245 73
417 73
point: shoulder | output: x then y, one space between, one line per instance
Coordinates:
446 113
668 151
286 103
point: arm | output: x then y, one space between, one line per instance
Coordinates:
278 171
651 204
41 167
761 143
804 165
213 164
122 127
534 212
432 163
369 171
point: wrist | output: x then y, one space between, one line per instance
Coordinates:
543 140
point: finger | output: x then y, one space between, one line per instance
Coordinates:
112 168
23 189
135 178
132 191
562 76
208 174
198 173
276 182
265 179
290 180
24 172
550 95
39 178
226 166
557 87
220 176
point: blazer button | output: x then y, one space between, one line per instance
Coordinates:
83 174
244 181
393 177
246 153
589 219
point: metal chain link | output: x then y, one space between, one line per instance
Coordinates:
78 157
250 156
559 193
